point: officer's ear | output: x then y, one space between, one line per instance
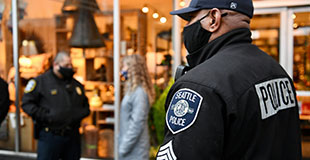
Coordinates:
214 20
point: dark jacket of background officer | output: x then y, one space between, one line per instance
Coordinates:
237 102
4 100
57 104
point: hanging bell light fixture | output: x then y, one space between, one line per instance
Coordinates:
70 6
89 5
85 33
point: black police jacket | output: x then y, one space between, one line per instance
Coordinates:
237 103
55 103
4 100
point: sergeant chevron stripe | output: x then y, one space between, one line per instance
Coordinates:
166 152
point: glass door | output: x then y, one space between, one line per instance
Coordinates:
300 46
299 36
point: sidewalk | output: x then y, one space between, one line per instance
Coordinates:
11 155
2 157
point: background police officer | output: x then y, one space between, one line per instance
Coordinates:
236 102
57 104
4 100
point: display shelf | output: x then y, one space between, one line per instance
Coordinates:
104 116
100 56
101 109
62 30
304 117
98 83
105 122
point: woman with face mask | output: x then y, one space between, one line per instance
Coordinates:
139 95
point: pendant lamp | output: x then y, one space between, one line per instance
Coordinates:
85 32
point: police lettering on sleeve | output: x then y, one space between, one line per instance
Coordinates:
183 110
275 95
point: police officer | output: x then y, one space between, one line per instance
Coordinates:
236 102
4 100
57 104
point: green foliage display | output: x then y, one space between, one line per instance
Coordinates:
157 119
158 113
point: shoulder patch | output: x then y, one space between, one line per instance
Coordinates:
183 110
31 85
78 90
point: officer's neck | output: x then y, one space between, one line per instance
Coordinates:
57 74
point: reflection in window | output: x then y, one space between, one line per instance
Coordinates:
302 50
265 33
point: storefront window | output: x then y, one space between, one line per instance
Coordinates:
302 51
265 33
83 28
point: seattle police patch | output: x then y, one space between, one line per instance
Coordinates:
183 110
31 85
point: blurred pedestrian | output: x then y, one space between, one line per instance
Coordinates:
139 94
57 104
4 100
236 102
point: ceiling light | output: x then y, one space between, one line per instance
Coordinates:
145 9
182 3
163 19
295 26
25 43
155 15
24 61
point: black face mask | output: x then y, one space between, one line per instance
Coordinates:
67 73
195 36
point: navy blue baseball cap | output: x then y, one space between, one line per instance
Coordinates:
241 6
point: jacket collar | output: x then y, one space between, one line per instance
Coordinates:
241 35
57 79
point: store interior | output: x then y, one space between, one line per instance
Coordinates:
49 26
